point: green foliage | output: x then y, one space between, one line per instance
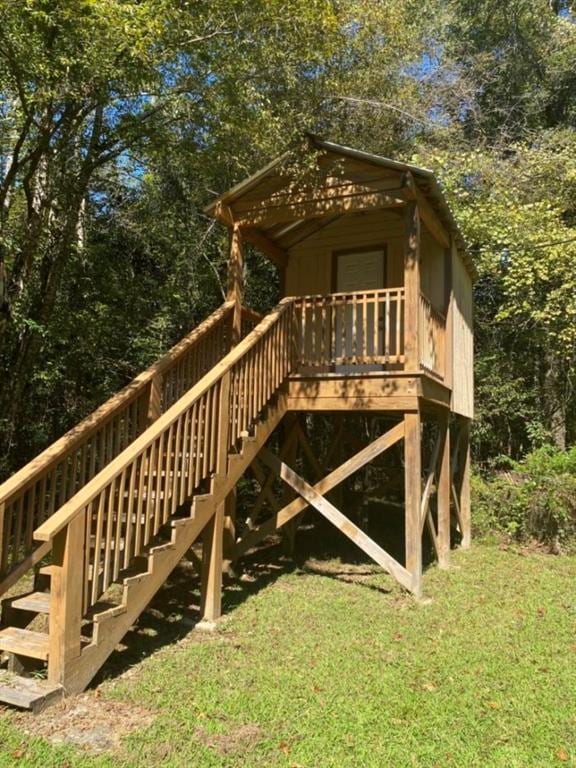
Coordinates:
532 499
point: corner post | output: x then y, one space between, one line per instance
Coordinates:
443 493
411 287
213 536
413 498
66 587
235 294
236 281
465 507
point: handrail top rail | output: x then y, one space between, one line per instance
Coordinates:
69 440
54 524
372 291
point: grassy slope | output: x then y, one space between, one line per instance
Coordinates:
319 671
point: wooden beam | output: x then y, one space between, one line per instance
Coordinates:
346 526
464 496
411 287
431 220
66 586
335 189
318 208
236 281
266 245
212 560
412 493
356 462
443 495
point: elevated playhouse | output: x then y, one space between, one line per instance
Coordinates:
375 318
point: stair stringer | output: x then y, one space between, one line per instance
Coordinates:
111 625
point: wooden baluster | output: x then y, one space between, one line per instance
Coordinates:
3 538
130 523
151 470
141 500
399 315
387 328
193 449
30 507
119 524
97 548
185 458
200 440
66 588
160 472
108 542
354 348
18 528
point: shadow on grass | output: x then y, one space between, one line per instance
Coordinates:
320 549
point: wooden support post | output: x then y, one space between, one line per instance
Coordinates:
289 451
229 542
236 281
465 508
443 494
154 400
211 595
213 535
413 494
66 585
411 287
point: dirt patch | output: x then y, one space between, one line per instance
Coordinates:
239 739
89 722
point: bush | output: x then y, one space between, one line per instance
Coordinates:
534 499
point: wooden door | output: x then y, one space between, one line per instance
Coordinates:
359 271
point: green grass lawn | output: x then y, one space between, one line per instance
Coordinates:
331 665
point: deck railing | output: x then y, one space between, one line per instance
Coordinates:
351 329
121 509
35 492
431 337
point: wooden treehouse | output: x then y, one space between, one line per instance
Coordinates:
375 319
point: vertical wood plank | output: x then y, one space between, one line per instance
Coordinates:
212 558
411 286
66 587
413 494
465 508
443 494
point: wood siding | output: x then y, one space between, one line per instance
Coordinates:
462 339
310 266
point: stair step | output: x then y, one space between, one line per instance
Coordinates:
35 602
24 642
28 692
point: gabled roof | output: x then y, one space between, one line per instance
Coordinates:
270 180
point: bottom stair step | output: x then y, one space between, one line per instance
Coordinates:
24 642
28 692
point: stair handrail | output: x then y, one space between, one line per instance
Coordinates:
64 516
73 437
34 492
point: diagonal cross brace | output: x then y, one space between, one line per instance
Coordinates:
378 446
312 496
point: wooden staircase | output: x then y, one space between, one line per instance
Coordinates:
111 545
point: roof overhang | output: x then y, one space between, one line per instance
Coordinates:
275 219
